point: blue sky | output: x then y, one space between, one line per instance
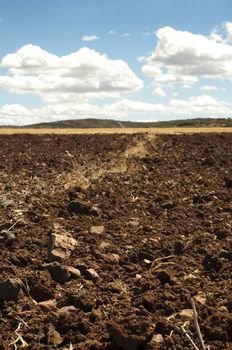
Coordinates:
120 59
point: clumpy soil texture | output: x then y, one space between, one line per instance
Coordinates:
106 239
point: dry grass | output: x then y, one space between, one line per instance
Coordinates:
84 175
138 150
10 131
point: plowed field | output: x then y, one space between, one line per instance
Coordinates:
108 241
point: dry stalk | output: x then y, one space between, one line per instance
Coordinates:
19 338
197 325
189 337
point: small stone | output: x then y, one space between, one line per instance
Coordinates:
104 245
91 274
147 262
60 246
134 223
9 289
200 299
186 314
47 305
138 277
66 310
97 230
75 273
111 258
157 339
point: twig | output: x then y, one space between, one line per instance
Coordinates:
21 320
12 226
197 325
189 338
19 338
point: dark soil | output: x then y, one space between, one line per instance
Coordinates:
151 235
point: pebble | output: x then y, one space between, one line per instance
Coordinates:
91 274
157 339
186 314
60 246
200 299
97 230
47 305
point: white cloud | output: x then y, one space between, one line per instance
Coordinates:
84 74
125 35
90 37
159 92
208 88
201 106
141 58
182 57
228 27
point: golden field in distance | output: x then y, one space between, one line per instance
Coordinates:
11 131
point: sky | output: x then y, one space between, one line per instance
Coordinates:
143 60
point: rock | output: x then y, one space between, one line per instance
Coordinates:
97 230
60 246
186 314
104 245
164 277
91 274
134 223
138 277
157 339
168 205
75 273
66 310
200 299
9 289
47 305
147 262
111 258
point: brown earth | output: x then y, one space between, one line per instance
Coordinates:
113 237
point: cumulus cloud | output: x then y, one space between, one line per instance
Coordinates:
228 27
84 74
90 37
181 57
